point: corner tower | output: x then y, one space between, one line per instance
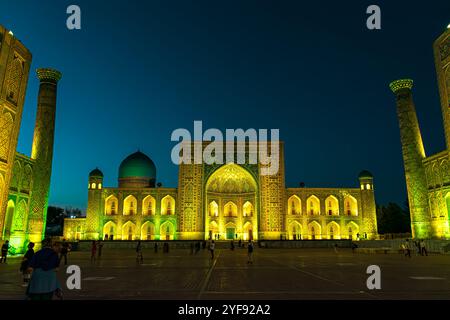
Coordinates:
442 62
42 151
94 212
369 215
413 155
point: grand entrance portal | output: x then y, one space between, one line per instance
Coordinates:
231 204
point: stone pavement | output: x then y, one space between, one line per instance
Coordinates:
298 274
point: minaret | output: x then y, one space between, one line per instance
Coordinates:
42 151
442 62
369 228
413 154
94 213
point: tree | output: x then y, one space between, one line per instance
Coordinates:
393 219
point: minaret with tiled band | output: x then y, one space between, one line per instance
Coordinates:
42 151
413 156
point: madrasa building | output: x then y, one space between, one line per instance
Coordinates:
221 201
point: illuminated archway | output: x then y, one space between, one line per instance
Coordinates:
315 231
248 231
294 205
447 202
352 231
213 209
148 231
234 189
148 206
167 231
332 206
247 209
230 231
128 231
230 209
109 231
129 206
213 230
333 230
350 206
167 205
313 204
295 231
20 218
8 219
111 205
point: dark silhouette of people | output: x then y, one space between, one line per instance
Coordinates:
64 252
26 263
5 248
43 265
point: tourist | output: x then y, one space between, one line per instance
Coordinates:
232 245
64 251
212 246
354 247
423 248
156 247
197 247
407 248
335 248
250 252
240 243
139 256
5 248
26 263
100 247
93 251
204 244
44 265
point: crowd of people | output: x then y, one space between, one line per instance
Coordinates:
39 269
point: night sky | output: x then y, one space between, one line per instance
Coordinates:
138 70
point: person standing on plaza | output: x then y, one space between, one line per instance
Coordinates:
100 247
93 251
5 248
156 247
26 263
407 248
232 245
240 243
64 251
212 246
250 252
139 256
43 267
423 249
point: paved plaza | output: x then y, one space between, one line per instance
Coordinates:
275 274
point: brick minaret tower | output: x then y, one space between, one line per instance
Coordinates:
413 155
42 151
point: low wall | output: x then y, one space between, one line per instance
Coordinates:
435 246
85 245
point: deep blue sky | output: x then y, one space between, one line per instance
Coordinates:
138 70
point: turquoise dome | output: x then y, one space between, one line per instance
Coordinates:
137 165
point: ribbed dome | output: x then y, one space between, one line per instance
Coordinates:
365 174
137 171
96 173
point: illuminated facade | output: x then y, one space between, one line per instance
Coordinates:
233 201
427 178
24 181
